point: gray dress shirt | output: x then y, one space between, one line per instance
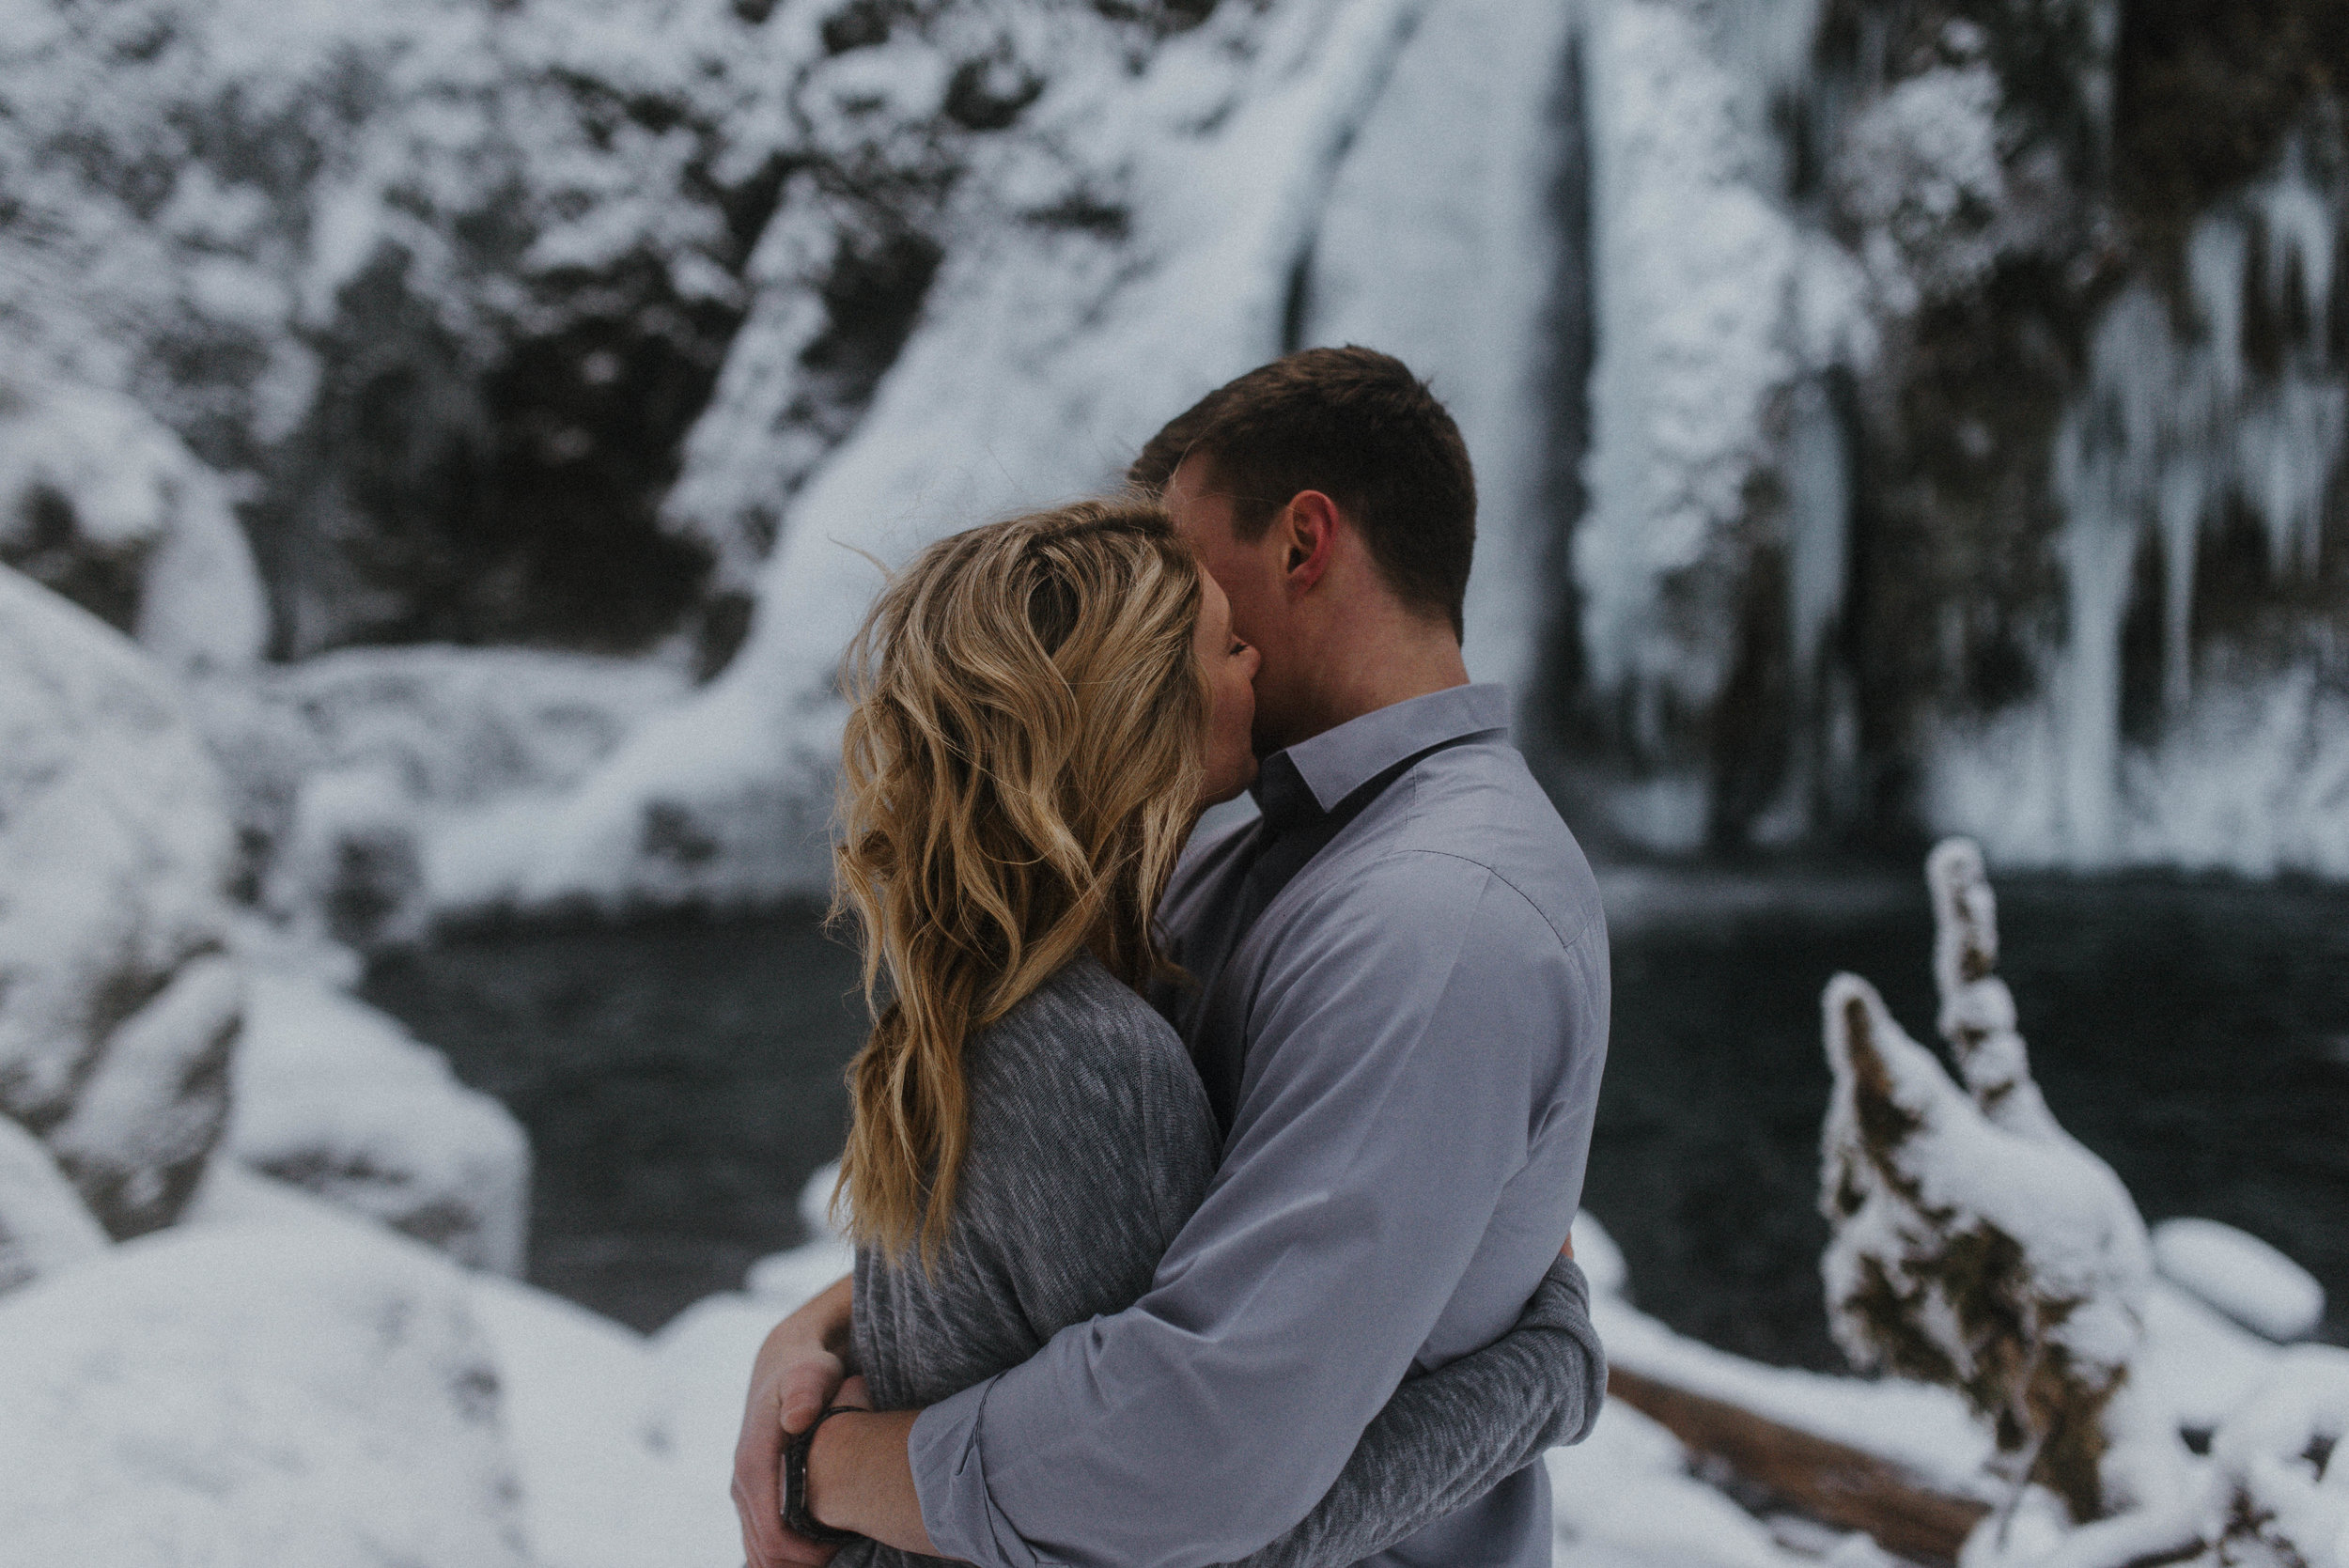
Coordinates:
1416 1018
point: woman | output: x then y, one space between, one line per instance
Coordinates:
1044 705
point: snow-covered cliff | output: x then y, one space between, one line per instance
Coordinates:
1888 421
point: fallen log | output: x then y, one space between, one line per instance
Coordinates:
1830 1482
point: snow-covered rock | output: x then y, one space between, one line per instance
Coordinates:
1975 1243
100 503
344 766
2240 1275
336 1098
274 1398
576 1398
116 1020
44 1224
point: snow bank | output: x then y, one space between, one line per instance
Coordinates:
1442 245
102 504
116 1024
301 1398
1623 1498
336 1098
44 1224
1132 248
2240 1275
576 1396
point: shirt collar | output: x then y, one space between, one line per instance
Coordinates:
1339 761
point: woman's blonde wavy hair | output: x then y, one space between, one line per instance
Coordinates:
1019 770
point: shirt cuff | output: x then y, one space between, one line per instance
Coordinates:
950 1481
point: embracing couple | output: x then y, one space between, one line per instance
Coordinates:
1210 1190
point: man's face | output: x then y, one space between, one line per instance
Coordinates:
1250 577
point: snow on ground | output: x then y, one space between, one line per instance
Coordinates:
2240 1275
264 1397
334 1097
1096 290
44 1225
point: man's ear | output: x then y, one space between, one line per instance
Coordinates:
1309 531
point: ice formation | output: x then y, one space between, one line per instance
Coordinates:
2227 401
1713 311
117 1019
1129 250
1976 1243
1445 249
345 769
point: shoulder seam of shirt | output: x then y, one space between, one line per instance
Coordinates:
1565 942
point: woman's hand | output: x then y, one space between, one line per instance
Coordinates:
801 1368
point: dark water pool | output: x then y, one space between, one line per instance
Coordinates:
681 1080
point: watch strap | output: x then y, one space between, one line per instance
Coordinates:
798 1517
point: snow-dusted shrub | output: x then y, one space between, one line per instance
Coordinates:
333 1097
44 1224
117 1019
274 1398
1975 1243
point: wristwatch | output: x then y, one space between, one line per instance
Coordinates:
798 1517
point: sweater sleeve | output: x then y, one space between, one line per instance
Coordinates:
1447 1439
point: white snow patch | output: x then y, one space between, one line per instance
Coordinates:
44 1226
2240 1275
134 502
1623 1497
334 1097
576 1396
1922 1426
270 1398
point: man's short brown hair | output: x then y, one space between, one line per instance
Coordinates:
1356 426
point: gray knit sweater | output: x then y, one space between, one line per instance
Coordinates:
1091 1144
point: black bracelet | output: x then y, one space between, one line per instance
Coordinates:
798 1517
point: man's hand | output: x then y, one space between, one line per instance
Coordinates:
799 1369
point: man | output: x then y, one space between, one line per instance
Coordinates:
1400 1014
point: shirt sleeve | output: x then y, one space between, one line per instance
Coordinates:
1449 1437
1395 1074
